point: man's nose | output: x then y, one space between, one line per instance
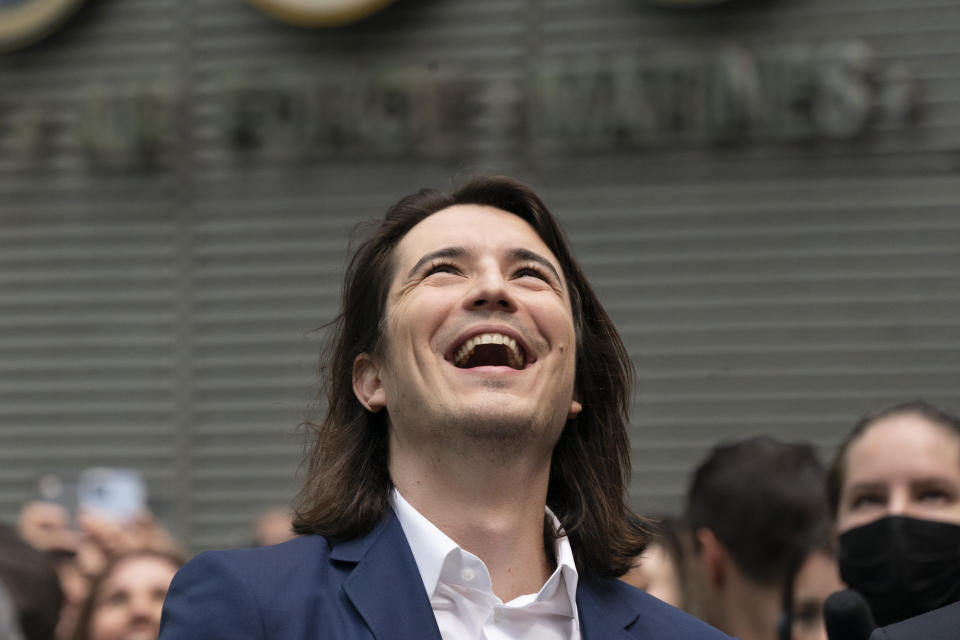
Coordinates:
491 292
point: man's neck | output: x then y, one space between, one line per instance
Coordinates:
750 610
495 513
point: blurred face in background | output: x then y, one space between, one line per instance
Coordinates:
898 515
128 603
658 575
273 527
47 526
817 578
903 465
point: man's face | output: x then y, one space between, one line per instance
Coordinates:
479 334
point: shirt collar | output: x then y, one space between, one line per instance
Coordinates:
565 564
431 547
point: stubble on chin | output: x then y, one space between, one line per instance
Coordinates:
497 436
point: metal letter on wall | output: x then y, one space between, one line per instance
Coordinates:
23 22
685 4
320 13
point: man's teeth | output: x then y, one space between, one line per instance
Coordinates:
466 349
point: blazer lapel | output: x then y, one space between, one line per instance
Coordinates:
385 585
603 614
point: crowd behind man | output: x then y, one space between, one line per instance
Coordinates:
87 576
754 553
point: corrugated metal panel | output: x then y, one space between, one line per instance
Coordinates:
777 288
157 307
87 371
88 262
263 284
771 307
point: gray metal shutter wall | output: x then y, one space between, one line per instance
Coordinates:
780 308
164 318
91 318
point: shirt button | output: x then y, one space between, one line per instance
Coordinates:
468 574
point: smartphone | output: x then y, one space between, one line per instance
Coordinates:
117 494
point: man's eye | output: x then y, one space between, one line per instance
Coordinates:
441 267
532 272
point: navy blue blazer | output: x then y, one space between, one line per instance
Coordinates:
939 624
367 588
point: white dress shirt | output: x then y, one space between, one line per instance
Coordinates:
461 592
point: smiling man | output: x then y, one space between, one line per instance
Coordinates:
469 477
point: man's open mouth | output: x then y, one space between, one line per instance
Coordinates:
489 350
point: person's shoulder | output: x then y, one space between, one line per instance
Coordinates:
248 593
299 547
656 619
939 624
263 564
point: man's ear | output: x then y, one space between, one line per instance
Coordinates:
714 555
366 383
575 405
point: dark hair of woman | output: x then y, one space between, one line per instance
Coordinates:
346 490
31 583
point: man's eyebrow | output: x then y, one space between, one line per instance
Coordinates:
532 256
446 252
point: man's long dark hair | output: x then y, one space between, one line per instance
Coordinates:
347 484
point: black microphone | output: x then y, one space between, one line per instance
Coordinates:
847 616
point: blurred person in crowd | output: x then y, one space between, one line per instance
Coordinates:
75 585
81 548
273 526
660 568
815 578
125 601
32 585
894 487
754 507
469 478
9 624
47 526
104 537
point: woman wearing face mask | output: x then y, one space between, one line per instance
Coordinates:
894 487
126 600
